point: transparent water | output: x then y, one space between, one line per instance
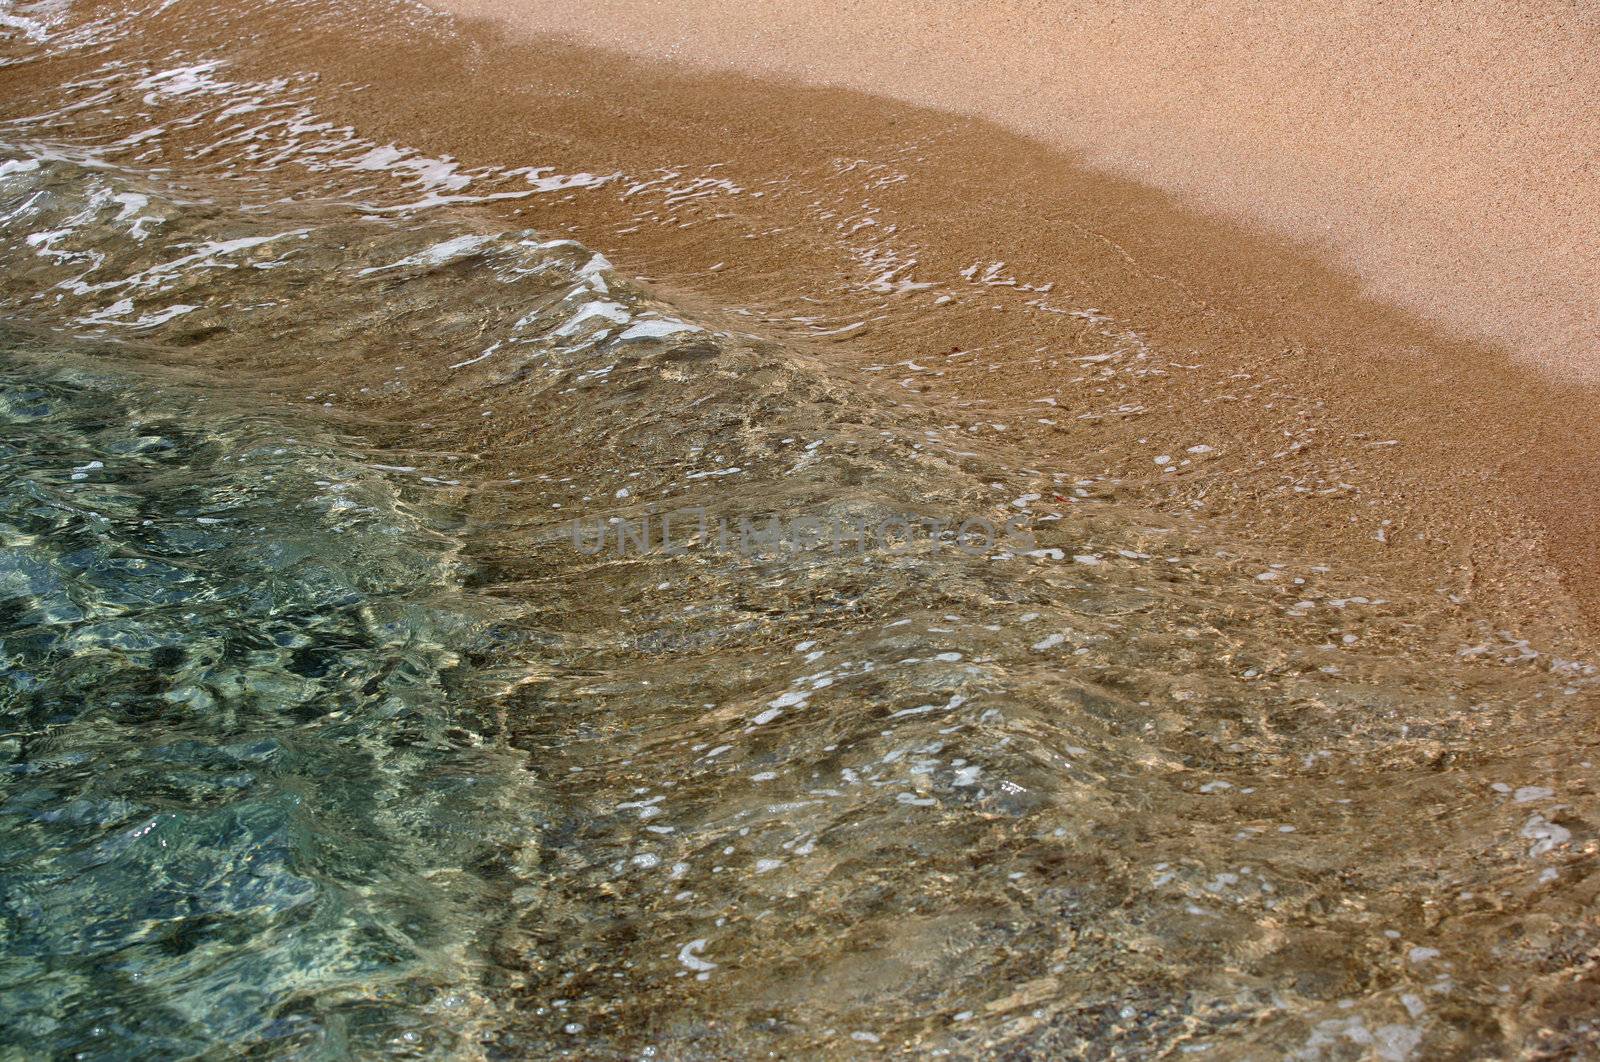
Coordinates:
390 761
249 792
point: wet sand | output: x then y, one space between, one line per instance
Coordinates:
1097 319
1446 154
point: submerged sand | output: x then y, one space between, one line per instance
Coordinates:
1448 153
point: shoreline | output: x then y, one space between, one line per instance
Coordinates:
1482 487
1253 716
1097 321
1447 158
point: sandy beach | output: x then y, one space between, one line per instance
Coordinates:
644 530
1411 303
1375 278
1445 155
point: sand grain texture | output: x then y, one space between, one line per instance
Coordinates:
1449 153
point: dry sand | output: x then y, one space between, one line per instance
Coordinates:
1450 153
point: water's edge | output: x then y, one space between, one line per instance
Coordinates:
391 725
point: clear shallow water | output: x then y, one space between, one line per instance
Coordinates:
249 794
1129 788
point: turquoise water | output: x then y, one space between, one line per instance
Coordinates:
248 793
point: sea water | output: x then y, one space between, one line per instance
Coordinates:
421 638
